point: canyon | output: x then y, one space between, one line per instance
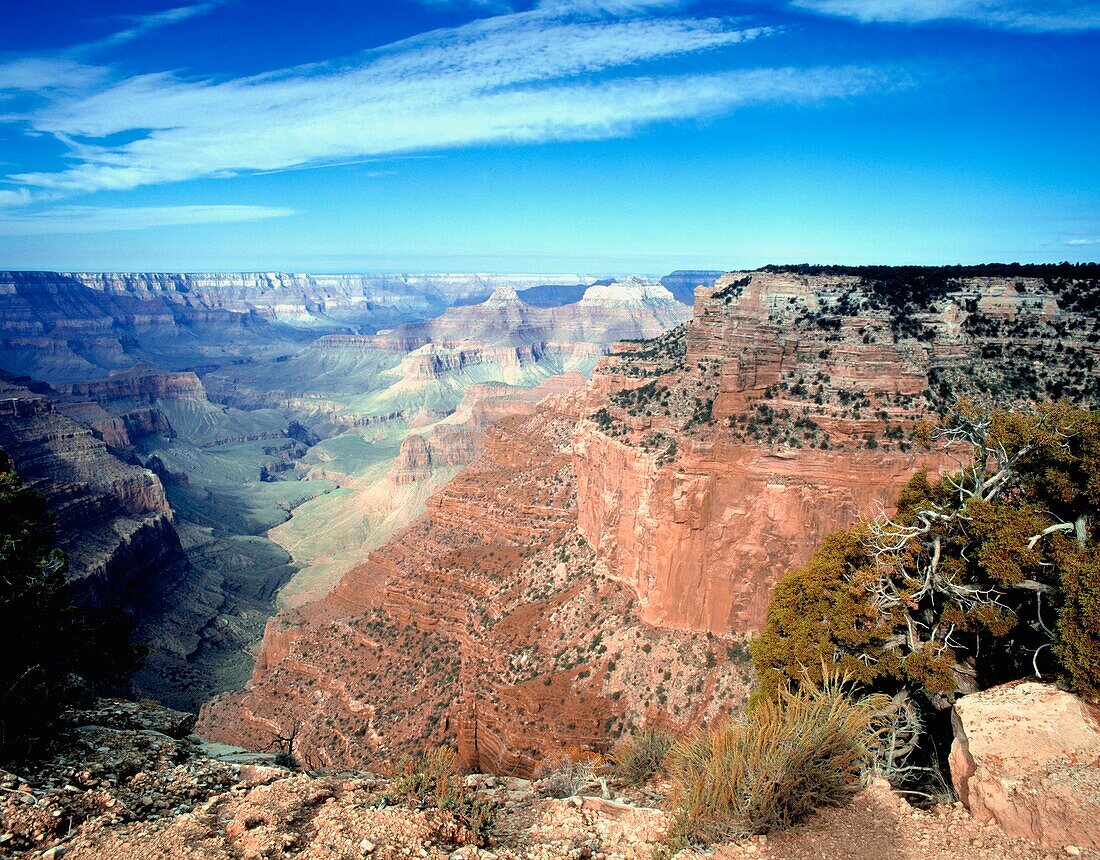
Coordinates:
519 529
511 526
71 326
601 563
197 497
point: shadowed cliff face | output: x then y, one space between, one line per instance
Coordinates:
113 519
198 597
595 564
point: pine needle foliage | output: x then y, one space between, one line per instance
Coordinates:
981 576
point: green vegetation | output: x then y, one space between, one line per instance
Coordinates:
568 772
981 577
787 756
662 442
435 780
54 654
666 353
732 290
639 757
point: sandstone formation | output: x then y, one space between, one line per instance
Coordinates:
487 622
113 518
428 379
127 518
1027 755
716 457
421 368
337 415
599 562
75 326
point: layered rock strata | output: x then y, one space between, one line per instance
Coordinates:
488 623
715 458
72 326
113 519
651 517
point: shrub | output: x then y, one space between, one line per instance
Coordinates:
54 654
981 577
640 756
1078 645
786 757
568 772
434 779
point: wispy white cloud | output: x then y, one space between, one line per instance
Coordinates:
490 5
89 219
69 71
48 75
1023 15
569 69
139 25
1083 241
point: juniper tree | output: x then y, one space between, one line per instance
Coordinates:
985 574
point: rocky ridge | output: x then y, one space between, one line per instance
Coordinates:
115 523
73 326
697 468
486 623
197 599
714 458
128 782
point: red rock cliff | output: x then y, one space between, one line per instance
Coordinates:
716 457
589 569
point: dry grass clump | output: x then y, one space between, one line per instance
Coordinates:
640 756
435 780
783 759
569 772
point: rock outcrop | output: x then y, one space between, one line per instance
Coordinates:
125 783
1027 755
487 622
113 519
418 371
716 457
600 561
73 326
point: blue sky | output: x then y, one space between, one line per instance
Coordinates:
547 135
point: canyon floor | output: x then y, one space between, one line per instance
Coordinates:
129 783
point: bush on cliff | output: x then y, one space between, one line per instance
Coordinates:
789 755
986 575
435 780
639 757
54 654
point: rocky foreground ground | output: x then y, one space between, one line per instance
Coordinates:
130 783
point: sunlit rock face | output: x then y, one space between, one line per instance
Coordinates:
488 622
716 458
597 563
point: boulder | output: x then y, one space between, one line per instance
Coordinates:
1027 755
144 716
